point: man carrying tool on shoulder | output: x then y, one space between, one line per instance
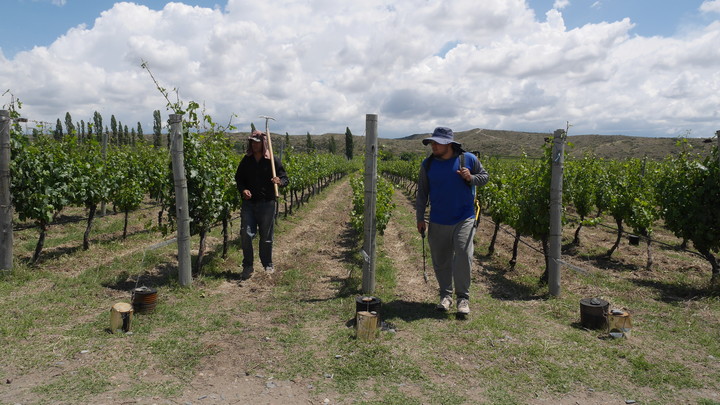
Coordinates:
448 178
256 183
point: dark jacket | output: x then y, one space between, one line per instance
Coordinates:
255 176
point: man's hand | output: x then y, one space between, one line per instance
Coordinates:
275 180
465 174
422 227
246 195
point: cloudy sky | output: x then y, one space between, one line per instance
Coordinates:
632 67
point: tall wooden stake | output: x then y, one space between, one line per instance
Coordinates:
181 200
717 135
370 231
103 149
6 208
272 157
556 186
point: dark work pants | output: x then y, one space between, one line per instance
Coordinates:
257 217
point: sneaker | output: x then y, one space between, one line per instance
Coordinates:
269 269
445 304
246 273
463 306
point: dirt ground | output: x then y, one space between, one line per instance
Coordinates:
227 377
231 375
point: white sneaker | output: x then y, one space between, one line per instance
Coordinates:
445 304
269 269
463 306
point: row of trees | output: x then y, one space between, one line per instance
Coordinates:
311 146
115 134
119 134
682 191
50 175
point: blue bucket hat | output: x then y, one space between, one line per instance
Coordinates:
441 135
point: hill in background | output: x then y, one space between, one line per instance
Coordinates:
490 142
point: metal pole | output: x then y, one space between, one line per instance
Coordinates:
370 229
181 200
556 186
6 208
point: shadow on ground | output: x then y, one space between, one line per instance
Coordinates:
501 287
410 311
672 292
162 275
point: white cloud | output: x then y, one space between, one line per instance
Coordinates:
561 4
321 66
59 3
710 6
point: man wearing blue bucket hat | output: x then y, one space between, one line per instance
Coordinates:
448 178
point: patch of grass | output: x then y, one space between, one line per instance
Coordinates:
392 396
178 355
503 395
74 385
163 389
657 373
372 360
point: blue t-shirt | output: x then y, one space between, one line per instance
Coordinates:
451 199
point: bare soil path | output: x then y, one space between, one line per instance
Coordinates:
317 237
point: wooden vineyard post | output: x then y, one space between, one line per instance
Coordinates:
717 135
181 200
367 325
369 228
556 186
103 149
6 208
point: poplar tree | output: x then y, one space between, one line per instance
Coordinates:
58 135
69 126
97 119
157 128
309 142
348 143
331 145
140 135
114 129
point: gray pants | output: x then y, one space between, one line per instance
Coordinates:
451 247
